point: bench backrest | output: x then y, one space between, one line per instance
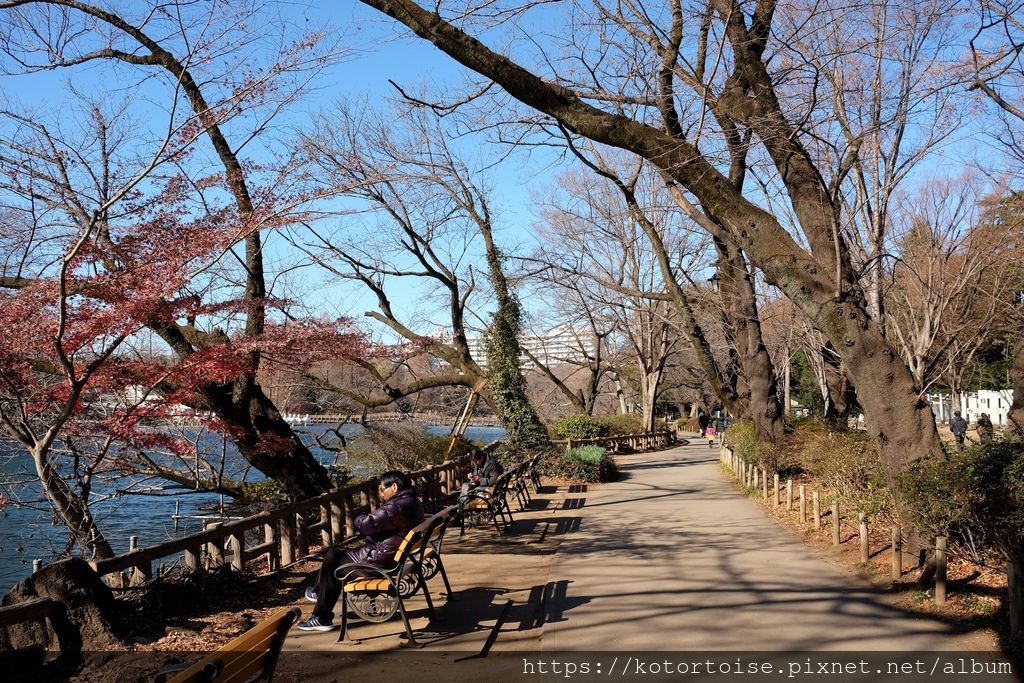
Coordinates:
251 656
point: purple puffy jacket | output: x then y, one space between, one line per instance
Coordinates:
385 527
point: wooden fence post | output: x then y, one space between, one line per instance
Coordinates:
274 556
286 525
897 553
142 572
940 570
803 504
835 523
816 507
777 489
789 495
337 520
1016 585
215 548
301 535
764 486
865 555
238 551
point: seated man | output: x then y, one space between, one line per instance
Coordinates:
383 529
486 470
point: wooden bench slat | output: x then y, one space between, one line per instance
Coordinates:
239 651
243 671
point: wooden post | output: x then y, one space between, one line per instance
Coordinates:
327 532
338 520
816 506
803 505
897 553
757 474
238 551
940 570
274 556
789 495
301 535
193 558
777 497
1015 579
215 548
287 531
764 485
350 516
864 554
568 445
835 523
142 571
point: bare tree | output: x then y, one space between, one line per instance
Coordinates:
951 280
998 73
728 69
426 211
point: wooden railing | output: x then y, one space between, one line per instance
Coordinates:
635 442
41 609
281 536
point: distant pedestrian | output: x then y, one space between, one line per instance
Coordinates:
958 425
710 432
985 428
702 421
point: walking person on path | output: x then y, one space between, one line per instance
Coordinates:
985 428
702 422
958 425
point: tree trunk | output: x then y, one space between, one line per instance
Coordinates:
1015 418
92 621
508 386
72 509
737 289
786 382
650 382
268 442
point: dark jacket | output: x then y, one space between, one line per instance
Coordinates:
958 425
385 527
489 471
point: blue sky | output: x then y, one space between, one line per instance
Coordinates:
376 51
379 51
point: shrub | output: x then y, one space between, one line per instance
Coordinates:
976 497
585 463
580 426
403 447
623 423
740 436
845 460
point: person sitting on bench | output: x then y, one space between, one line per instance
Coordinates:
383 529
486 470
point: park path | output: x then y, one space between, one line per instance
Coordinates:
673 557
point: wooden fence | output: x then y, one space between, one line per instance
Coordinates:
635 442
281 536
748 475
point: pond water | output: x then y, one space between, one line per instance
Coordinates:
29 534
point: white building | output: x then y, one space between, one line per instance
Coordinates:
994 402
559 345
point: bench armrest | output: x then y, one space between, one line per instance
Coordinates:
343 572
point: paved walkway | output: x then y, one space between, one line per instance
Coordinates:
674 558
